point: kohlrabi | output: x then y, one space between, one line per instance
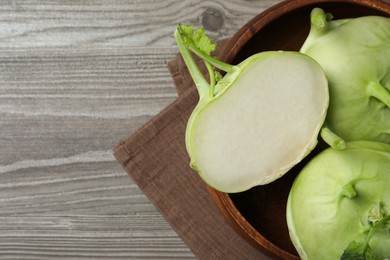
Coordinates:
355 55
339 205
252 125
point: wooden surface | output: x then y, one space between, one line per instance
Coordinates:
75 78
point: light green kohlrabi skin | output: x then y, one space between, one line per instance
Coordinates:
355 55
336 196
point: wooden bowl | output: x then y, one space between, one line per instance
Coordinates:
258 214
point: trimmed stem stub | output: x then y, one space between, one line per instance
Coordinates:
348 191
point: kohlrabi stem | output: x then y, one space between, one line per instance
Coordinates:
319 25
348 191
331 138
211 72
377 90
200 82
213 61
374 228
319 21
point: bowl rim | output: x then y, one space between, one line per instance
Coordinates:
245 33
241 226
222 200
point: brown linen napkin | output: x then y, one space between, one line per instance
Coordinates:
156 159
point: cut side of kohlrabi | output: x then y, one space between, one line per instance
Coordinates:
339 204
258 121
355 55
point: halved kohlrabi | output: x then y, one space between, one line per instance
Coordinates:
339 205
258 121
355 55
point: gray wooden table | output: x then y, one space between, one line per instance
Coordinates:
75 78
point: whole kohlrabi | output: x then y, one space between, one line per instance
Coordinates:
339 205
355 55
262 118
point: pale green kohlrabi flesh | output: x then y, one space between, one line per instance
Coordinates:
264 122
335 198
355 55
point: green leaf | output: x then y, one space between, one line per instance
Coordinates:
358 251
218 76
197 39
361 250
203 42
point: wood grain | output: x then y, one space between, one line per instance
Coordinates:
75 78
117 22
87 98
62 194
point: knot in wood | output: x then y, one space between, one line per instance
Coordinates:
212 19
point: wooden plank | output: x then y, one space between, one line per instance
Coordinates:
117 23
80 209
86 98
62 194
